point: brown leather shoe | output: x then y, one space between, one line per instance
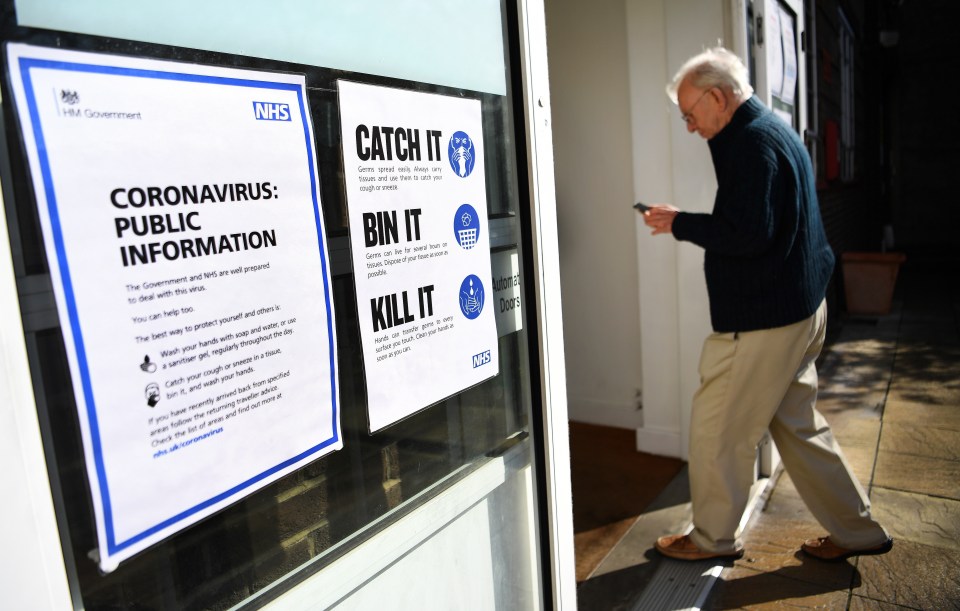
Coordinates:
825 549
680 547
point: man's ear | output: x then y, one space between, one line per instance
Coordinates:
721 97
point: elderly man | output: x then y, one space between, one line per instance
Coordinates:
767 264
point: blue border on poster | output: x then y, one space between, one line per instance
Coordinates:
27 64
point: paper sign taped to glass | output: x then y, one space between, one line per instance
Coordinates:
181 218
419 236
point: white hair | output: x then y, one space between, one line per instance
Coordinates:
715 67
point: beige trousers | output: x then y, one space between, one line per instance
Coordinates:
749 383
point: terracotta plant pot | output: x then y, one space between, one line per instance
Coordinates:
869 279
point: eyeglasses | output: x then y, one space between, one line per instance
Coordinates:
688 116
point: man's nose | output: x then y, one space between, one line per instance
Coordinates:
691 127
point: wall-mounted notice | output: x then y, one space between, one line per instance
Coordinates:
181 218
507 291
774 48
788 40
413 165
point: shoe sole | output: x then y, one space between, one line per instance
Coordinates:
876 551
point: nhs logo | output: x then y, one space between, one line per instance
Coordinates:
481 359
271 111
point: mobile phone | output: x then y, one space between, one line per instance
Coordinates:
642 207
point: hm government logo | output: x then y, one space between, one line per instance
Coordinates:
271 111
69 97
67 105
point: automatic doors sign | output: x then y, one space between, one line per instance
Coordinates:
507 288
181 218
413 164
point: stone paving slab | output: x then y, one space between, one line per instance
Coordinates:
929 329
872 328
773 546
920 439
908 473
934 415
858 381
856 430
868 353
915 395
784 502
852 366
861 461
920 362
912 575
923 519
859 603
777 590
840 411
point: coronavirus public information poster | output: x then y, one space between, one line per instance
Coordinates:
181 219
413 167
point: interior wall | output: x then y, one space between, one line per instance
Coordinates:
691 26
589 82
653 171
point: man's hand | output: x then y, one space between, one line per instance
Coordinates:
660 218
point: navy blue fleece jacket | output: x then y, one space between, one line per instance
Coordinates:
767 261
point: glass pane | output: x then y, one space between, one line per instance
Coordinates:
268 536
426 40
784 102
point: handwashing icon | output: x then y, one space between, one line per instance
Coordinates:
147 365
